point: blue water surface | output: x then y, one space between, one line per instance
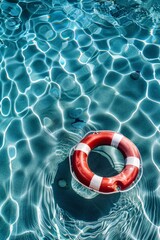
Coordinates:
69 67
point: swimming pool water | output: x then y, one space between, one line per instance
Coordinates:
67 68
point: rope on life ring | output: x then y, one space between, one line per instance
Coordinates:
123 180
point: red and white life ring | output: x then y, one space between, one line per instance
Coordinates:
81 170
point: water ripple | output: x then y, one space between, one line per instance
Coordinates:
67 68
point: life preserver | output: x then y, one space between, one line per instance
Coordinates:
82 172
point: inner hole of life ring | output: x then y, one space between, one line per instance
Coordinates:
106 161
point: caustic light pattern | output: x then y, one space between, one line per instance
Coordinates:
69 67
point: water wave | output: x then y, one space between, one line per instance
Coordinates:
67 68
